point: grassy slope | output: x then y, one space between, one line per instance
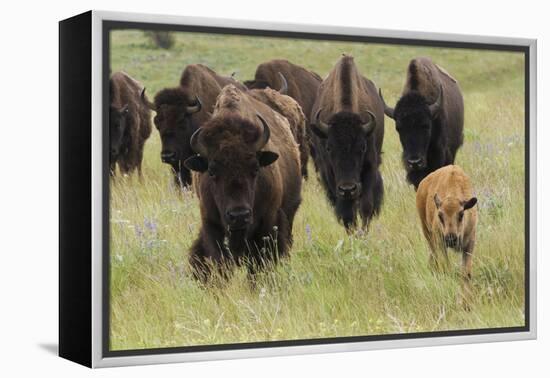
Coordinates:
333 285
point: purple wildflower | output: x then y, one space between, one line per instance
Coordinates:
308 232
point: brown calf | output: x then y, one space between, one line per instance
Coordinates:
445 205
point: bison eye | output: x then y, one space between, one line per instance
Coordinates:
255 172
327 147
441 218
211 173
460 216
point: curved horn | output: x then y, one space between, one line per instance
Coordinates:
146 102
196 144
284 85
262 141
194 108
434 108
323 127
387 110
369 126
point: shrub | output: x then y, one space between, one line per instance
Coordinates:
161 39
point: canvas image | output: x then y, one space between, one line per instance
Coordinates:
273 189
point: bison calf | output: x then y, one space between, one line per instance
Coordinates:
445 204
129 123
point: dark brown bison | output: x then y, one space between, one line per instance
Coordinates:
301 85
291 110
247 180
348 122
182 110
129 124
429 118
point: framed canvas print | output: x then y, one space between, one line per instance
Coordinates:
236 189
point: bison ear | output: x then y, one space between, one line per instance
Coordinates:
196 163
266 158
470 203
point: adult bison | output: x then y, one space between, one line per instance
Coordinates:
348 121
429 118
301 84
291 110
248 184
129 124
182 110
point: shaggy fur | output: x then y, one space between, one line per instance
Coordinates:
302 85
451 213
174 125
347 154
130 124
291 110
235 179
433 138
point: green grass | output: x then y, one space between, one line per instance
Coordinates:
333 284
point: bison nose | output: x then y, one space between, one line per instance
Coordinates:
167 157
414 162
450 240
238 217
349 189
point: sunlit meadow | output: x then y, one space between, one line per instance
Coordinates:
333 284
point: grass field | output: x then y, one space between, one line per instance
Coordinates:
333 284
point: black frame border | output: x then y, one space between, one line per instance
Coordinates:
111 25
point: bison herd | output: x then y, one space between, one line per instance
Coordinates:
244 148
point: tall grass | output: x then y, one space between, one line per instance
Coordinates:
333 284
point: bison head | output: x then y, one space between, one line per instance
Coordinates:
450 212
174 123
230 155
117 128
346 142
413 117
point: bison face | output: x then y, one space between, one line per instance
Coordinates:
414 117
415 133
450 214
346 142
174 122
231 175
175 128
117 129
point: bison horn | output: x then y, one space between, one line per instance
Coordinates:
196 144
434 108
323 127
146 102
369 126
262 141
284 85
194 108
387 110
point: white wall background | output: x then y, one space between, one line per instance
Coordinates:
29 190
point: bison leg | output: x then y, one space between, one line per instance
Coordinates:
139 160
269 246
207 255
185 177
467 254
112 169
